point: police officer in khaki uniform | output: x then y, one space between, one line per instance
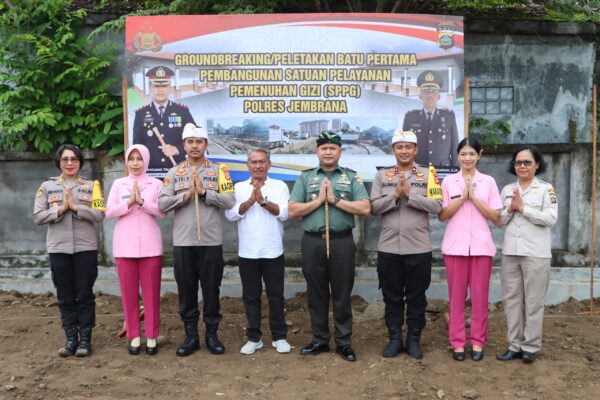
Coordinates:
198 258
70 205
346 197
435 127
530 211
163 115
404 195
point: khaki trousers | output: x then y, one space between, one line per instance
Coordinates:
524 285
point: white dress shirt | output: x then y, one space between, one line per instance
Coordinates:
260 233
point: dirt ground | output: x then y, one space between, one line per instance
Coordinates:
30 333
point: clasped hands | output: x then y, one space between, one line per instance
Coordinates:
326 193
256 196
402 188
196 186
68 202
516 203
136 196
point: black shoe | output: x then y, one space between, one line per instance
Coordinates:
412 344
84 348
191 342
212 341
528 357
346 352
133 350
509 355
151 351
395 346
477 355
71 344
314 348
458 355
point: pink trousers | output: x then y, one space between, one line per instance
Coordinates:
133 273
472 273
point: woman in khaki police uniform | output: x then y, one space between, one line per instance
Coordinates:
530 211
70 205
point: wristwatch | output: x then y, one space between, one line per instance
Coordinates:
264 203
336 200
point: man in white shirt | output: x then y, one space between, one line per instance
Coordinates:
260 209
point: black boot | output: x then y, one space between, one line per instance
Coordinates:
395 346
191 342
71 344
85 343
412 344
212 340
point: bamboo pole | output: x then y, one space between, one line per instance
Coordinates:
125 123
327 227
593 244
466 108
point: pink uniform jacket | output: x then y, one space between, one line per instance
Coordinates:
137 233
468 232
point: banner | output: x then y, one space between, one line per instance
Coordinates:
277 81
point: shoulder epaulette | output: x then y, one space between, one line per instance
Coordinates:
309 169
180 104
142 107
414 110
447 110
380 167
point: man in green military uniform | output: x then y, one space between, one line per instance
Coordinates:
346 196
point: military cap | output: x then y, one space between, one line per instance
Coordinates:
192 131
329 137
429 80
160 76
403 136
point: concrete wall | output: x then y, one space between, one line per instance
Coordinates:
551 68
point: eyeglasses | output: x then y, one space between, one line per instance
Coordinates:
526 163
72 160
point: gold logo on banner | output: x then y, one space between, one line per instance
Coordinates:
149 41
446 34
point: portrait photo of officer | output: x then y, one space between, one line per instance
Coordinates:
435 127
159 124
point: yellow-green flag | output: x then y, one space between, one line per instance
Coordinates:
434 190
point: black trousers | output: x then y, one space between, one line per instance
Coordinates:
252 273
204 263
321 274
73 276
404 279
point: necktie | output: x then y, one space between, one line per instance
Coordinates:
161 110
429 117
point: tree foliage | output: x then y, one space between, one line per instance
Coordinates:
53 83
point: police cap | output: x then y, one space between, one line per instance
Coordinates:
160 76
429 80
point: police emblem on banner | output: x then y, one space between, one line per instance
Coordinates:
446 35
149 41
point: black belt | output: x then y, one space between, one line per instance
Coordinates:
332 235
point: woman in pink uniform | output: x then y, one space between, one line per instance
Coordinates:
137 246
470 199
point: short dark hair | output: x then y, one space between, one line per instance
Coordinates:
537 156
469 142
68 146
